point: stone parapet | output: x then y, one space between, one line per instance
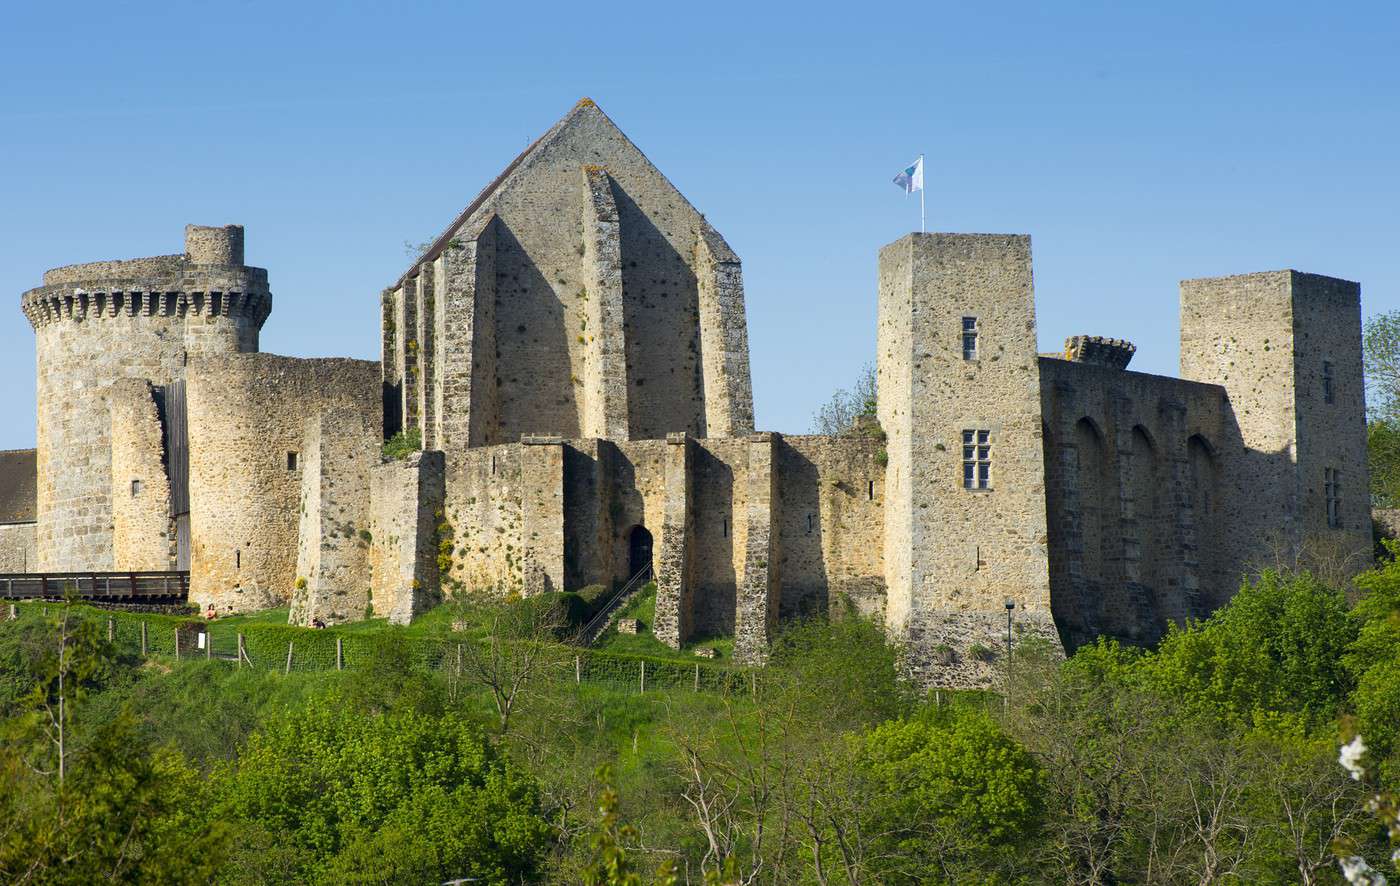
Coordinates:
1115 353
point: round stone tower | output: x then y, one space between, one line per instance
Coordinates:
100 322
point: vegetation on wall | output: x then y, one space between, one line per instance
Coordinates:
403 444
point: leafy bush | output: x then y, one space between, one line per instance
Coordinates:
402 797
403 444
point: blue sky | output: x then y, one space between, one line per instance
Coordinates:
1138 145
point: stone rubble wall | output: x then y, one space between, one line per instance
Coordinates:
142 530
247 427
832 526
18 547
542 514
406 510
483 503
334 536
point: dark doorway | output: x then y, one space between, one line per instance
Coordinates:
638 550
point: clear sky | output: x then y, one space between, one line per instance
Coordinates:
1138 144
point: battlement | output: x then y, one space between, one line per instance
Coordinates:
1114 353
47 305
208 280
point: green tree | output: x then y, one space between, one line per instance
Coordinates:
1276 647
839 414
338 788
948 792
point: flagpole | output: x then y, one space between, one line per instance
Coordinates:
921 198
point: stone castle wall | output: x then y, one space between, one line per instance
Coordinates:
1131 465
406 512
340 448
95 324
247 430
18 547
142 531
832 491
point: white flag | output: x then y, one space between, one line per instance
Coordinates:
912 178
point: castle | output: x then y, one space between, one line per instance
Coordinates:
572 352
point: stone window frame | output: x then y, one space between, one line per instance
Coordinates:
971 336
293 461
1329 391
976 473
1332 494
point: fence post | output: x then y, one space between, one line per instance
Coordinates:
697 676
208 642
111 629
143 639
240 657
644 676
14 612
177 644
578 671
339 654
289 658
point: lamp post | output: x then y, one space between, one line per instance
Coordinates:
1010 605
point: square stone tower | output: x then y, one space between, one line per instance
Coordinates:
959 398
1286 346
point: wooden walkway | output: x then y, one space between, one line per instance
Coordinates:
99 587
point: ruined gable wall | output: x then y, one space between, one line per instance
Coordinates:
593 283
246 414
832 524
141 524
1131 531
543 298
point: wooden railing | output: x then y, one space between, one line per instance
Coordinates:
108 587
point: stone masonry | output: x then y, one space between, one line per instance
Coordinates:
573 351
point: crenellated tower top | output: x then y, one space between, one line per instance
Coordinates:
208 280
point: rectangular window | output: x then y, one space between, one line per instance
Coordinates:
1327 393
1332 489
977 459
969 338
291 461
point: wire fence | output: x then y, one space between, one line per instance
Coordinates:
287 649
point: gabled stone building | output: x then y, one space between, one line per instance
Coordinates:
572 353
